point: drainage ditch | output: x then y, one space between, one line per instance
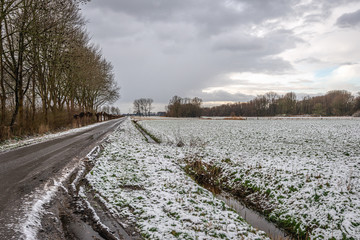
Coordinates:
149 137
254 218
251 216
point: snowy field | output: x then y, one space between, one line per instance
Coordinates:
143 183
307 170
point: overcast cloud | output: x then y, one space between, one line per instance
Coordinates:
227 50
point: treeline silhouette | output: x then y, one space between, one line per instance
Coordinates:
49 69
184 107
143 106
333 103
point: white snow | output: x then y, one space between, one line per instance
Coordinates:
144 183
34 203
34 206
309 168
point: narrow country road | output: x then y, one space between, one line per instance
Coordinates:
24 169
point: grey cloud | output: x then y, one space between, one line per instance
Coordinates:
273 43
268 65
316 11
243 52
349 19
222 96
301 81
243 43
210 17
105 28
349 63
311 60
146 10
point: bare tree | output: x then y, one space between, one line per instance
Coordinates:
115 110
184 107
143 106
6 8
137 107
148 104
48 68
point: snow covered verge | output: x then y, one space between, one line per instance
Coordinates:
12 144
306 171
143 183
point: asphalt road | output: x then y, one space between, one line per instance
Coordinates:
24 169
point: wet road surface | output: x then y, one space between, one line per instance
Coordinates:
24 169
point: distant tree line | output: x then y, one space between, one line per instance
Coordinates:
48 68
143 106
111 110
333 103
184 107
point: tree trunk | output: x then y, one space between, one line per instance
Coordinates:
2 77
2 82
33 99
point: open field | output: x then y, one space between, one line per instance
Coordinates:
302 173
143 184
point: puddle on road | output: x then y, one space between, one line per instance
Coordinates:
254 218
81 230
115 227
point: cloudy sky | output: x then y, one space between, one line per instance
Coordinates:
227 50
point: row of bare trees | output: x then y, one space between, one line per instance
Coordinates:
49 70
184 107
143 106
111 110
333 103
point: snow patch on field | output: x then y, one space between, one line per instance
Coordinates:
143 183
